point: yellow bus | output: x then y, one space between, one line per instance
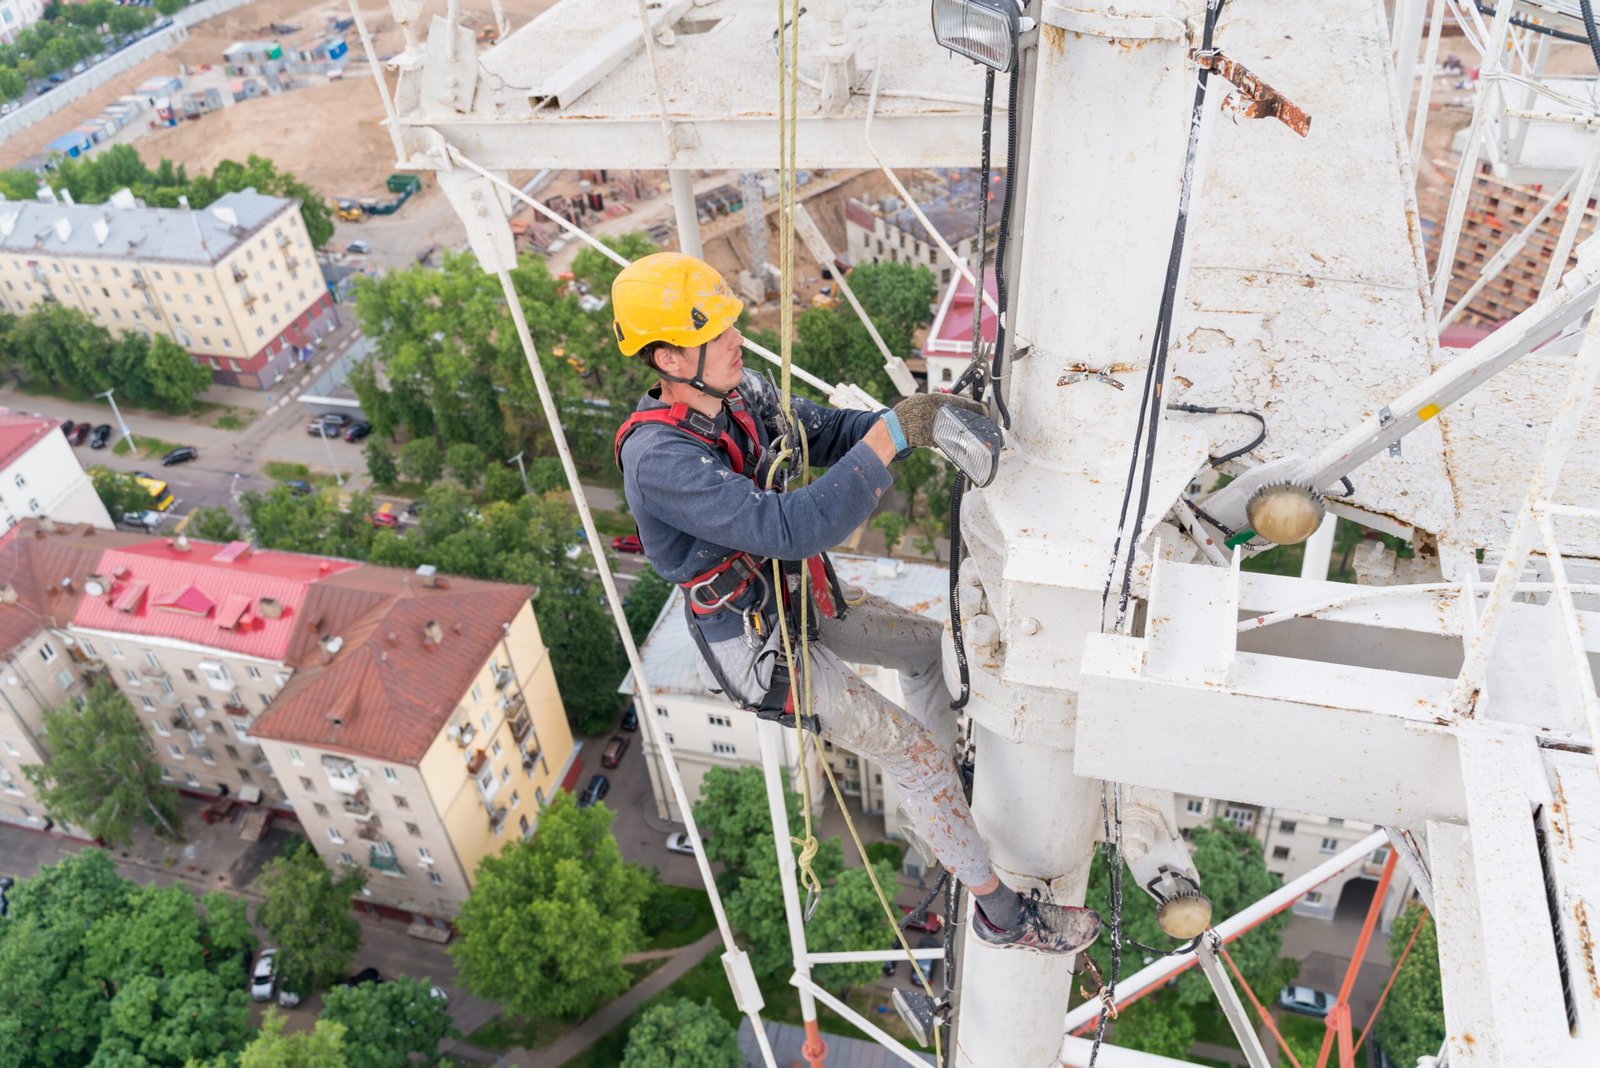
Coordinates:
160 497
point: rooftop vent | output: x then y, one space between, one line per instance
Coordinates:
8 593
123 200
332 644
269 608
226 216
95 585
429 575
66 196
180 543
102 230
66 584
432 633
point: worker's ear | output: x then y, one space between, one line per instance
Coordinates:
668 360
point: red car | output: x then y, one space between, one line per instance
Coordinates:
931 922
627 543
384 516
614 750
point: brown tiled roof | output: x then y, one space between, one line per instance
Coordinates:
386 692
35 557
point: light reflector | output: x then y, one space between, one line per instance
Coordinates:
984 31
970 441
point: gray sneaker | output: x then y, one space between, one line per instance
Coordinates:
1044 928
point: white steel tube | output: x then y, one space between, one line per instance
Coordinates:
1319 549
1430 66
808 988
1075 1053
683 208
1489 87
1577 209
1574 634
377 75
1558 442
861 956
1508 251
770 735
619 618
1407 39
1228 998
1229 930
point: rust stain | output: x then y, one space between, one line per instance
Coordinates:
1469 1039
1260 100
1055 38
1586 936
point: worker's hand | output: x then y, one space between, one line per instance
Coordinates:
913 417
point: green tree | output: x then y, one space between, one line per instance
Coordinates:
227 935
385 1023
892 525
213 523
465 461
587 658
171 1021
124 20
549 920
833 344
101 775
380 463
501 483
682 1034
598 270
734 818
420 461
306 910
1412 1022
173 378
316 523
171 7
321 1047
120 493
642 605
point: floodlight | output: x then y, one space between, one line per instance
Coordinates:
1285 513
919 1012
971 442
984 31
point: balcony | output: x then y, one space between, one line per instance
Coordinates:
476 761
521 725
357 804
382 857
530 760
239 274
497 816
512 703
465 735
139 282
236 708
370 830
197 738
292 263
503 678
180 720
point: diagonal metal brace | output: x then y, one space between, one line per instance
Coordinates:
1261 101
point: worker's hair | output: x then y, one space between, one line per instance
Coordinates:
648 354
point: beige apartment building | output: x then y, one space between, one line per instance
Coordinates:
236 284
408 720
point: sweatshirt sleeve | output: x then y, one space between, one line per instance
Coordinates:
679 482
831 432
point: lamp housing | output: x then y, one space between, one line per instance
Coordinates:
985 31
970 441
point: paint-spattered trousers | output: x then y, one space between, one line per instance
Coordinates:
912 745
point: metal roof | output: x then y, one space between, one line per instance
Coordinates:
178 235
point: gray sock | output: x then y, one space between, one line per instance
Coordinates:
1002 907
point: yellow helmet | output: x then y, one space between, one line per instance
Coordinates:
673 298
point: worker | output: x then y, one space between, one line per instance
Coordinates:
698 458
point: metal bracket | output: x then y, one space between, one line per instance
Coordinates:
1082 372
1262 100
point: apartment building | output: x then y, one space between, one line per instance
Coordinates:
705 731
407 720
40 475
887 231
16 16
236 284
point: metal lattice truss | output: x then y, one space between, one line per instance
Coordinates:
1458 712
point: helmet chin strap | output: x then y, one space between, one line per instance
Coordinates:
698 382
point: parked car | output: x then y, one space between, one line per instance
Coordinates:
384 516
359 247
614 750
6 883
79 434
627 543
679 843
181 455
299 487
101 435
438 994
358 430
264 976
928 968
147 521
1306 1001
927 922
598 787
330 423
630 718
67 428
365 975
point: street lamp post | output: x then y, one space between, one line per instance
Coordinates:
117 413
521 470
235 489
322 429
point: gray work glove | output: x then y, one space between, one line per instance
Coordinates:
910 422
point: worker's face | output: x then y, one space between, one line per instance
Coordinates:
724 360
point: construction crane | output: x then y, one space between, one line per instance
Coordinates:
1212 215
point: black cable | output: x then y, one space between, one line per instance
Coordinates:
957 642
998 364
1200 409
1155 371
1547 31
922 906
1589 28
972 375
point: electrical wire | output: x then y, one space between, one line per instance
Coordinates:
1201 409
1589 28
1001 290
1539 28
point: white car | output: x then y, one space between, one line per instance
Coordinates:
679 843
1306 1001
264 975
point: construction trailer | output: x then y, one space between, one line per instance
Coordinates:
1211 221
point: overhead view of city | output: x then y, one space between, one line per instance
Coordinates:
799 533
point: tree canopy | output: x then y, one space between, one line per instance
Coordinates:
385 1023
549 920
64 347
1412 1022
101 775
833 344
682 1034
321 1047
306 910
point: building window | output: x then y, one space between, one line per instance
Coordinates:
161 728
176 751
413 830
88 649
435 878
423 855
9 747
1287 826
505 773
494 748
1330 845
307 785
1194 806
64 679
150 658
516 799
188 675
668 737
334 836
1280 852
21 482
321 809
1335 821
253 671
1313 897
294 757
47 652
245 776
389 773
477 696
130 676
661 710
346 858
116 650
527 828
191 778
718 721
722 749
401 802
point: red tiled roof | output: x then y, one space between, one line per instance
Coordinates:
951 332
19 433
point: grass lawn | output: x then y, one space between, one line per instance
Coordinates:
148 447
1304 1036
501 1034
282 471
690 916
